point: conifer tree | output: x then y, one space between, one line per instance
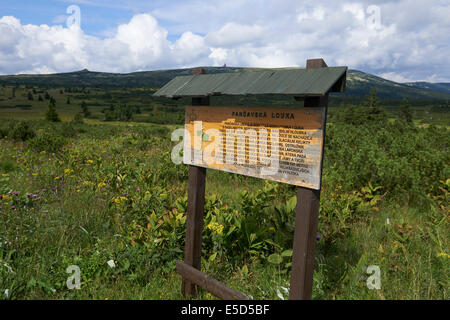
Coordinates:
51 114
405 111
85 110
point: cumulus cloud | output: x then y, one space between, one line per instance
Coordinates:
401 40
234 34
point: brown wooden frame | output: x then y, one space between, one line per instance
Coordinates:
306 221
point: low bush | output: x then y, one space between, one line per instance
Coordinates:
48 141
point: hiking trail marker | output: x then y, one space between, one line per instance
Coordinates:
279 144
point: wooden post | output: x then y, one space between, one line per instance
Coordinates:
194 215
306 218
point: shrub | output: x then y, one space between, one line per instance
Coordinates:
78 118
21 131
50 142
407 161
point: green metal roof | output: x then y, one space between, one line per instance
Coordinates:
296 82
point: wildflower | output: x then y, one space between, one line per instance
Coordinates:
271 228
34 174
13 208
57 178
34 196
5 175
215 227
90 161
279 294
28 195
111 263
101 185
15 193
318 237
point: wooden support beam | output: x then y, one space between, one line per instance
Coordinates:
194 225
307 217
194 215
211 285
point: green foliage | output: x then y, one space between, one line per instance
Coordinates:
85 109
121 113
78 118
368 114
405 111
21 130
408 161
47 141
51 114
384 201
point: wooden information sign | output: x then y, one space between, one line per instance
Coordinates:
283 145
279 144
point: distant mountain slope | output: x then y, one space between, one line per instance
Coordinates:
443 87
359 84
151 79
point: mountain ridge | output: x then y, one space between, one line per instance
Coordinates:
359 83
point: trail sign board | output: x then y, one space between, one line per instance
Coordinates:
272 143
277 144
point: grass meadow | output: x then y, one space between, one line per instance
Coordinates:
88 192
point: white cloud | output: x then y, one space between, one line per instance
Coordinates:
403 40
190 49
233 34
218 56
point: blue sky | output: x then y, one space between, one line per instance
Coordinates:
402 40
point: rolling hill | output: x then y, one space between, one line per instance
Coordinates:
359 84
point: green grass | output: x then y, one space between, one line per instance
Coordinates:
80 219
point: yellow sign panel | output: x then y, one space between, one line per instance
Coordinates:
283 145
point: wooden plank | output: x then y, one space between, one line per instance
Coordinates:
194 215
242 140
306 218
194 224
211 285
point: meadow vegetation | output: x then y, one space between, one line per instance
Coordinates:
90 189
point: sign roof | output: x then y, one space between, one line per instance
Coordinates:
295 82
